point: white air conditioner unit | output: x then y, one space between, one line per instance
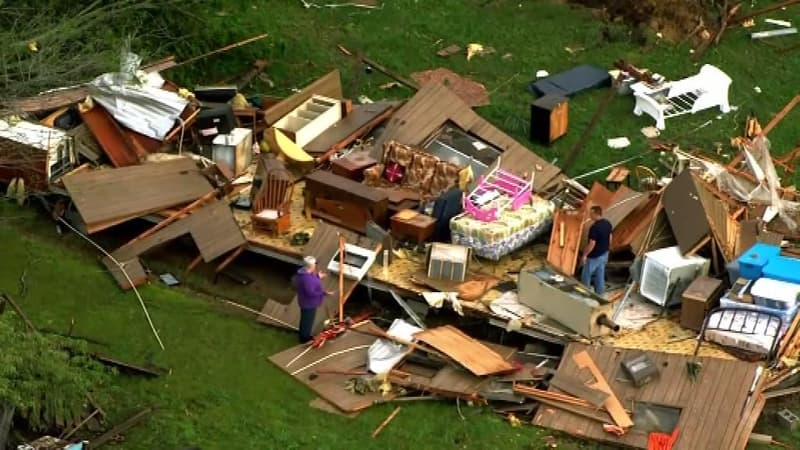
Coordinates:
357 261
666 271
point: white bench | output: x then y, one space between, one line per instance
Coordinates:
707 89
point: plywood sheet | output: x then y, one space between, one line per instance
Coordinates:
108 195
330 85
717 212
710 406
212 227
344 353
476 357
435 105
685 212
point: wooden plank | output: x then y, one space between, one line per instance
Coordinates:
344 353
362 119
329 85
126 367
476 357
685 211
133 268
121 428
116 144
103 196
781 114
573 385
587 413
612 404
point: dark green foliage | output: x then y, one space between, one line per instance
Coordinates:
45 379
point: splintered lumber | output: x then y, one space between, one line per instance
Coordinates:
781 114
549 395
574 386
220 50
386 422
591 414
612 404
126 367
474 356
121 428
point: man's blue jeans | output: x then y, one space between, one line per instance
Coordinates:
594 271
306 324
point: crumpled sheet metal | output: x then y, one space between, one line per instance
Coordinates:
144 107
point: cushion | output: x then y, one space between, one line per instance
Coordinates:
399 153
394 172
420 173
372 175
268 214
444 177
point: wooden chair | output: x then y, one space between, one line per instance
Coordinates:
272 202
646 179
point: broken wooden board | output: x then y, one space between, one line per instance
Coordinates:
685 211
636 224
724 228
133 268
710 407
612 403
330 85
355 125
326 406
344 353
113 139
474 356
574 386
565 240
106 197
49 101
212 227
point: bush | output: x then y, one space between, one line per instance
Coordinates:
45 379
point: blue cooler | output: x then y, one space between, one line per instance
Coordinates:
784 269
753 261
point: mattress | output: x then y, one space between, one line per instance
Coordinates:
572 81
512 230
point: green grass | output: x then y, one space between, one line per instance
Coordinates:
406 34
222 392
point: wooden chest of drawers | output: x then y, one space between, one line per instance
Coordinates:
549 118
343 201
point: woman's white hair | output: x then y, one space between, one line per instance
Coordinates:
309 261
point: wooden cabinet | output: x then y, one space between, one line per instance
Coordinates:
411 224
549 118
343 201
699 298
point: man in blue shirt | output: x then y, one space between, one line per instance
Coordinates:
595 255
310 295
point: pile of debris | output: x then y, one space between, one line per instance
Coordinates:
431 201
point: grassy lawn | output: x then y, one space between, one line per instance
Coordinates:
405 34
221 391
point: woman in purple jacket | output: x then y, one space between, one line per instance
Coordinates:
310 294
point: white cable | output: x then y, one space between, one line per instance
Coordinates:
124 272
183 129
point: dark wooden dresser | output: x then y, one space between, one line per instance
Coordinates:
343 201
549 118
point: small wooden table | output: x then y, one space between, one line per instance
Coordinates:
618 176
412 224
